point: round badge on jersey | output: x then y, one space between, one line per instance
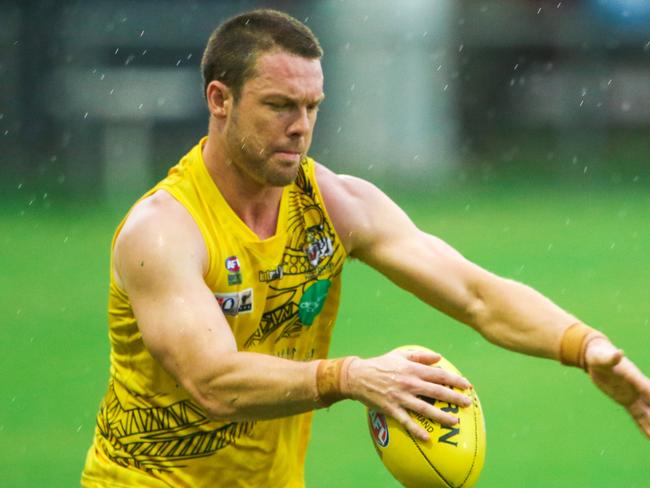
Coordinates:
232 264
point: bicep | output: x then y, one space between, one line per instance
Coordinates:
161 269
382 235
432 270
182 326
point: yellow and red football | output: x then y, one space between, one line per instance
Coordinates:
453 457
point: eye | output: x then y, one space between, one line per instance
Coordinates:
277 105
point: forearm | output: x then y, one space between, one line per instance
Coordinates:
507 313
517 317
245 385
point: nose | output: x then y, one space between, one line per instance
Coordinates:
301 123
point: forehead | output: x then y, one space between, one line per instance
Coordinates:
283 73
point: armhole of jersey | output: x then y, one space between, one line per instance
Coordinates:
112 283
176 196
311 175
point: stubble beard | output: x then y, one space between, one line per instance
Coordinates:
255 160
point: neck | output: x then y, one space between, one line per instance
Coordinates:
256 204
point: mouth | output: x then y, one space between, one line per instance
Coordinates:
293 156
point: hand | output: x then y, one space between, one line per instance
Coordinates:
393 383
621 380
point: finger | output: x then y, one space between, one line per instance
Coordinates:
433 393
423 357
403 417
644 424
424 408
443 377
640 412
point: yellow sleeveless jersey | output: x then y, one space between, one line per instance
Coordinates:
280 297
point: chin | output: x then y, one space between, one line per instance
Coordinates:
282 177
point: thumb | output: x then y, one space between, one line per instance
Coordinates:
601 353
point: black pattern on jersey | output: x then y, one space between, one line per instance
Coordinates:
162 438
307 228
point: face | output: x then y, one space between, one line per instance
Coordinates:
269 129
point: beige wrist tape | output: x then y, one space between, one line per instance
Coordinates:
574 343
331 377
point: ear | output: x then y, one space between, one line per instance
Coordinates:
219 98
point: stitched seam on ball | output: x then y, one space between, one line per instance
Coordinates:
475 450
429 462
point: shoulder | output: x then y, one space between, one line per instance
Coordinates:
161 231
359 210
334 186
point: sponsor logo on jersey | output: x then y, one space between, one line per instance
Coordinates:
271 274
234 278
232 265
235 303
312 301
379 427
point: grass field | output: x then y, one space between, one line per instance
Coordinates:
547 426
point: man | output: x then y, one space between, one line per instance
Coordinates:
225 286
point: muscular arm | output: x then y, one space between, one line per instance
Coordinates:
507 313
378 232
159 259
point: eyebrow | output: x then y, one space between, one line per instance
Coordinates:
281 96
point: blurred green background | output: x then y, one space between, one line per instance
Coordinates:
547 426
519 132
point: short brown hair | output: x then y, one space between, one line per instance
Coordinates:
234 46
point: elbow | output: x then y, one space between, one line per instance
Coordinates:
216 403
479 312
475 312
219 410
485 312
